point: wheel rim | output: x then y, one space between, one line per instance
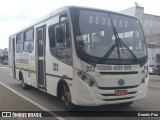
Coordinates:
23 84
66 96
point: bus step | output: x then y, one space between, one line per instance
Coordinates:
42 89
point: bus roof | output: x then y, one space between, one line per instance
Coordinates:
59 10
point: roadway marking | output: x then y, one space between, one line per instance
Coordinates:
4 67
33 102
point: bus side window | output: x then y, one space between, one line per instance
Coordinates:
28 40
52 37
60 48
19 43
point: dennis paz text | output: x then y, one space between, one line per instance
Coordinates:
148 114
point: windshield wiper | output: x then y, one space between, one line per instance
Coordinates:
119 44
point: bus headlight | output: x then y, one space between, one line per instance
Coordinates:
87 79
145 69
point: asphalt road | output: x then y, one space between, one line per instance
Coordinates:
36 100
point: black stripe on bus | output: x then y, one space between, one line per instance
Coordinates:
122 87
114 94
63 77
118 99
26 70
119 72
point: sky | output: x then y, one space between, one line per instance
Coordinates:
16 14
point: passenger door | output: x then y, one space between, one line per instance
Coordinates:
41 38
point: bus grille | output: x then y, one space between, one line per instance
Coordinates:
114 88
114 94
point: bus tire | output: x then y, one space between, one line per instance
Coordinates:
66 98
24 85
126 104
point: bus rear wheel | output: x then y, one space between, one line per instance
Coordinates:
24 85
66 98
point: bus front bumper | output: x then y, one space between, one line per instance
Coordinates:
94 96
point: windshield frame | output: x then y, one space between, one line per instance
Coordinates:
100 60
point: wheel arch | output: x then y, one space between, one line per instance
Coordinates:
20 75
59 87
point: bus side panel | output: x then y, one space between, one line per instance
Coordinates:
56 70
25 63
63 72
10 65
17 74
52 84
29 78
11 56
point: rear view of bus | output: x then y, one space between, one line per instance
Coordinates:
110 61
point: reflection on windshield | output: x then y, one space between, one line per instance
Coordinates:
94 34
93 44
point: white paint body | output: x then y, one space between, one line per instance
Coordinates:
81 93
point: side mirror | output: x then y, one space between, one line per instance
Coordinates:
62 17
59 34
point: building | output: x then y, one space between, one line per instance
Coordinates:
151 27
3 54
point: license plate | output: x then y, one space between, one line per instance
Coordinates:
120 92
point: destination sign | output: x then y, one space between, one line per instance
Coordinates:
22 61
98 20
91 21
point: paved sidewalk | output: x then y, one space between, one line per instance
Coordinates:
154 78
3 65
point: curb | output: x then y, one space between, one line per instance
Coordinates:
157 83
154 80
4 67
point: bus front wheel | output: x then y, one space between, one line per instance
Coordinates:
66 98
24 85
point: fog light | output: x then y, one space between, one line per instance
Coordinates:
143 71
87 79
91 83
143 80
84 77
79 73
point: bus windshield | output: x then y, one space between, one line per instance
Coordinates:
96 35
